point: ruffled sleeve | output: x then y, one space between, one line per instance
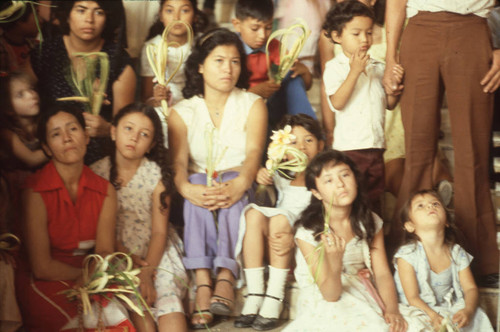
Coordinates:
101 167
461 257
305 235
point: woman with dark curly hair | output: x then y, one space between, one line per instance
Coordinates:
221 125
141 174
86 26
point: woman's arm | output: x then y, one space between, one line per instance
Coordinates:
124 89
146 88
327 270
20 151
256 125
105 238
385 284
471 295
177 141
38 242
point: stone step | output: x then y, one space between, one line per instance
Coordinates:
488 301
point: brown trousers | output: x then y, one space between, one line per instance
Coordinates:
446 51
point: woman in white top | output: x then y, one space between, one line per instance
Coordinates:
215 119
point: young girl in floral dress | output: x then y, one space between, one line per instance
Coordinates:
138 169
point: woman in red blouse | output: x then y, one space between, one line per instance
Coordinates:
69 212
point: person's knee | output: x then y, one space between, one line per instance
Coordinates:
279 224
253 218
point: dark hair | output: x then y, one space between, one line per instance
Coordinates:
312 217
262 10
204 45
115 17
157 154
54 109
8 117
379 10
305 121
9 25
451 234
344 12
200 21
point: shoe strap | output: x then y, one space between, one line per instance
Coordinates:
254 294
275 298
203 285
228 281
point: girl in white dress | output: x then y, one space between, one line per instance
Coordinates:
336 290
432 271
138 169
267 232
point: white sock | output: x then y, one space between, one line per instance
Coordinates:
255 285
271 308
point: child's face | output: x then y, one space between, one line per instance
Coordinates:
87 20
25 100
221 68
306 142
177 10
66 139
253 32
426 213
356 35
336 186
133 136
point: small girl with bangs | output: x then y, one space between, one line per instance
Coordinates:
139 170
432 271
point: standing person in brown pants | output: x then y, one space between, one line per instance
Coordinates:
446 46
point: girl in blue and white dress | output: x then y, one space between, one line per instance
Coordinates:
138 168
432 271
267 231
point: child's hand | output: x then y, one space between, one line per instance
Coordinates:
334 246
436 320
138 261
358 61
162 92
265 89
281 243
462 318
147 287
392 84
396 322
96 125
298 68
263 177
